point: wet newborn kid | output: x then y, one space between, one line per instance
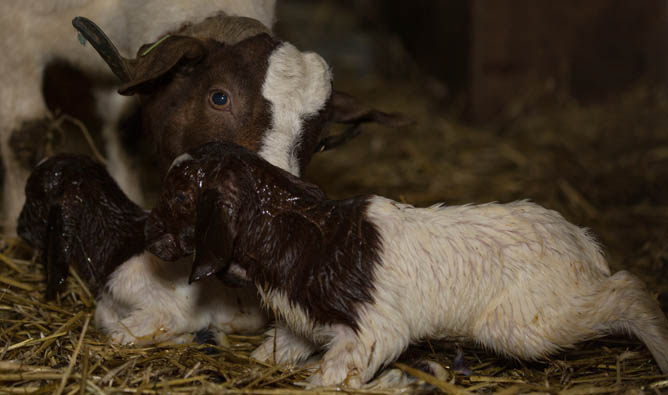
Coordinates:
362 278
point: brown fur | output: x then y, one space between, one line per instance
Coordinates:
231 207
75 212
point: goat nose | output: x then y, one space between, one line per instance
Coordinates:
164 248
154 227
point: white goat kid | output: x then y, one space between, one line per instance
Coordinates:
515 278
362 278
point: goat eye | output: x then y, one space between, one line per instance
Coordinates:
220 98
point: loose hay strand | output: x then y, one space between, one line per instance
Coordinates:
83 286
73 358
84 378
440 384
17 284
9 262
59 332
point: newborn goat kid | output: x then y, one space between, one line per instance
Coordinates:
364 277
75 212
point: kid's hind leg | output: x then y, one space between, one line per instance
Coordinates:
533 328
628 306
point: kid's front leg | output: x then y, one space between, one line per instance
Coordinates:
353 358
283 346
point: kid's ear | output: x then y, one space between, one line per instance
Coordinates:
214 236
54 255
155 61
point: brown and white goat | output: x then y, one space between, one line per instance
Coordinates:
362 278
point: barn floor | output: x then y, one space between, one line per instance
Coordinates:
603 166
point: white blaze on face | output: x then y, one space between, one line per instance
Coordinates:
179 159
297 85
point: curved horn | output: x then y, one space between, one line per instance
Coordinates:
224 28
103 45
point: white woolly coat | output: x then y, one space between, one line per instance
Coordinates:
516 278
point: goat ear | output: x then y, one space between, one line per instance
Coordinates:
157 59
344 108
54 255
214 236
347 109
